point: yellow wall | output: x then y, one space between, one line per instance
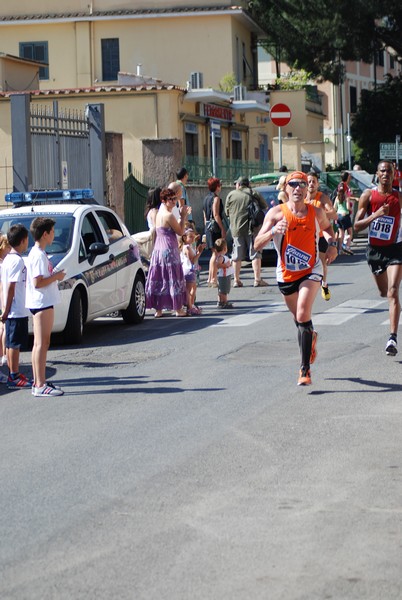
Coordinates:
137 116
15 75
169 49
6 175
62 47
186 45
27 7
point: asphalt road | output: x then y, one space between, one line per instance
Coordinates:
184 462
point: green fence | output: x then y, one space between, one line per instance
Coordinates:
333 178
200 169
135 195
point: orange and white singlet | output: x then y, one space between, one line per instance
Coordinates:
316 202
298 248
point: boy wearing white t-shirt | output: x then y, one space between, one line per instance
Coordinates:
225 271
41 295
15 315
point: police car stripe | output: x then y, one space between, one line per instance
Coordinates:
105 269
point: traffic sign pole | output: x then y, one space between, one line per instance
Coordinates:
280 115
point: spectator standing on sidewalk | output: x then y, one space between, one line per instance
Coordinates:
42 294
182 179
236 208
225 272
4 250
213 212
189 255
152 206
345 228
380 210
15 315
348 209
281 188
166 287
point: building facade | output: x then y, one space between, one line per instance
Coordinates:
192 49
339 102
158 68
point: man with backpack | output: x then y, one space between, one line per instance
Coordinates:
238 209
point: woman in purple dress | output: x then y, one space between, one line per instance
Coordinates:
166 286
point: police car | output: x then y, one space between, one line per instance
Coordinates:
104 273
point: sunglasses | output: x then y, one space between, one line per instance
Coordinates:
295 184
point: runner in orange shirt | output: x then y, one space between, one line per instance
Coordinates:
294 228
317 198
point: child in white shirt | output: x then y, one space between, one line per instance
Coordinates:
41 296
189 260
225 272
4 250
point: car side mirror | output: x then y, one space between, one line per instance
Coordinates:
98 248
95 249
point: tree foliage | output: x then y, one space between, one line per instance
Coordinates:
316 35
227 83
294 80
378 119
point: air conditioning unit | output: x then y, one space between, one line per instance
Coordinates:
196 80
239 92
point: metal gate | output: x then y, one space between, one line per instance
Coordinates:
135 196
60 145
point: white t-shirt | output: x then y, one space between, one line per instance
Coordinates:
224 267
185 260
38 264
14 271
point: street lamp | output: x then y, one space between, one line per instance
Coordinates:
340 81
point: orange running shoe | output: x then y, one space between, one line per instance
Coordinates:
304 377
313 354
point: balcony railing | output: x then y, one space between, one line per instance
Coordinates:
200 169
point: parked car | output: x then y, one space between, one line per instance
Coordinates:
266 178
104 273
270 195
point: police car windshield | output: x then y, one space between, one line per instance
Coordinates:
63 230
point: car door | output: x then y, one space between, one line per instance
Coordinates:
97 270
120 249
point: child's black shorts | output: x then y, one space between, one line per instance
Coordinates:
17 333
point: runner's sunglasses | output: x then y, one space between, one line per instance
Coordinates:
295 184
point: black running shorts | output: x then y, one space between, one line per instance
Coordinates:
286 289
379 258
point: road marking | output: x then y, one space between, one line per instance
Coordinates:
345 311
333 316
252 317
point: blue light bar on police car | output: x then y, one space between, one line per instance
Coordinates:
50 196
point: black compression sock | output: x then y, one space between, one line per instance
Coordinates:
305 343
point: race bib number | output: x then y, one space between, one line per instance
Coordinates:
296 260
381 228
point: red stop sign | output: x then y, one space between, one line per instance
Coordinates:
280 114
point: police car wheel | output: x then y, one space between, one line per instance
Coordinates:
73 332
135 311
